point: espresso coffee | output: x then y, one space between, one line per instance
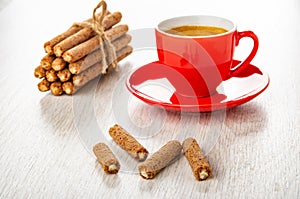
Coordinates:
196 30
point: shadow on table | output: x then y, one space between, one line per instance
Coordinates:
57 112
247 119
110 181
60 111
244 119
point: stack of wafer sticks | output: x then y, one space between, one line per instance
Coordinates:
75 57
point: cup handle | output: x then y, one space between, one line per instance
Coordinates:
240 67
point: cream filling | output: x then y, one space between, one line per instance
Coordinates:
141 156
203 175
144 173
112 167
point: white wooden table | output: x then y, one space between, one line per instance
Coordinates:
45 141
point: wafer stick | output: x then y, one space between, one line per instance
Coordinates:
51 75
58 64
79 37
200 166
106 158
92 72
68 88
44 85
128 142
160 159
98 68
92 44
47 61
48 46
39 72
56 88
96 56
64 75
85 34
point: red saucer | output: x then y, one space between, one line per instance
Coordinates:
152 86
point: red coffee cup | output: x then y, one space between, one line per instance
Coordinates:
203 61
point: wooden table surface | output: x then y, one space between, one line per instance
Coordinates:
46 141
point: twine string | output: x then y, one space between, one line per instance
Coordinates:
106 48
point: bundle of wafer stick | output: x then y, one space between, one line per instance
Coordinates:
83 52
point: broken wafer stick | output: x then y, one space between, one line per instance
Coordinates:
48 46
56 88
165 156
128 142
106 158
46 61
92 44
58 64
39 72
51 75
64 75
44 85
85 33
96 56
200 166
92 72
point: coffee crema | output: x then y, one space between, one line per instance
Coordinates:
190 30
